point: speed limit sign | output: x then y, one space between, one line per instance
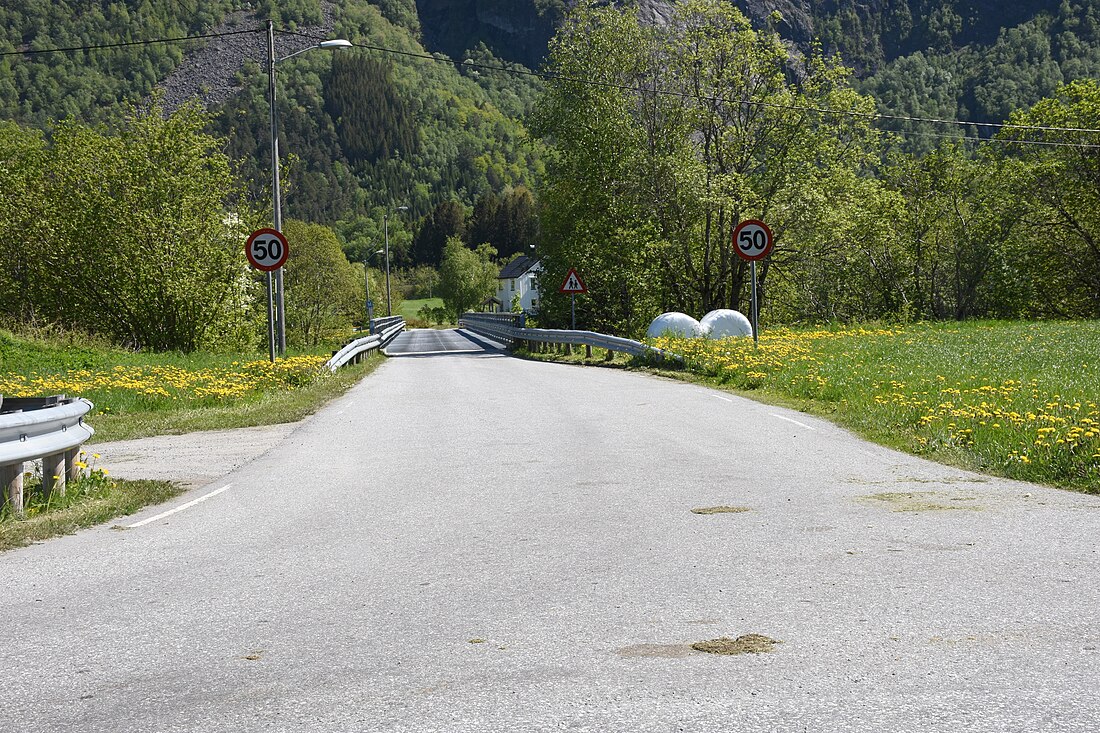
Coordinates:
753 240
266 249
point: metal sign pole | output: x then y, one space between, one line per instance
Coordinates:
270 321
755 310
573 309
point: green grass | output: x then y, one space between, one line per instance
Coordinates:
270 408
88 502
141 394
410 308
1015 399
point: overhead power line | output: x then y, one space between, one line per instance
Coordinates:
125 44
549 76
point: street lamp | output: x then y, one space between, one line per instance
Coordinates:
277 214
386 228
366 279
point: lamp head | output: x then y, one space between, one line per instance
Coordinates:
335 43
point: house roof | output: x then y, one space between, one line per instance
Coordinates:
517 267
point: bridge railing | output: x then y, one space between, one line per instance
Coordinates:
378 325
508 328
383 330
48 428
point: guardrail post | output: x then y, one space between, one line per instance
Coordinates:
72 469
11 487
588 351
610 355
53 475
569 349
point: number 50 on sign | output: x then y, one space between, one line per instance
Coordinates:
753 240
266 249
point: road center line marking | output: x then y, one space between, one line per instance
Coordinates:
799 424
180 508
725 399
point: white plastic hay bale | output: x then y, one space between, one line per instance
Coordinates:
724 323
674 324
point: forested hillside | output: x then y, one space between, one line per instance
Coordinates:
363 132
430 129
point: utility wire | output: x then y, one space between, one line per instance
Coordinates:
549 76
125 44
873 116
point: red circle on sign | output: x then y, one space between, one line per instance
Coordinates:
753 240
266 249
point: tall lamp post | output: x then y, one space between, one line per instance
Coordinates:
386 227
366 279
277 214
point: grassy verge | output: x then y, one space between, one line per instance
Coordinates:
1014 399
88 502
137 395
269 408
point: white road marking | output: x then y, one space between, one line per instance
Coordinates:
180 508
799 424
724 399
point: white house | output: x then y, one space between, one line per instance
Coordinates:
519 277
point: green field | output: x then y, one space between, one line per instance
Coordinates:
411 308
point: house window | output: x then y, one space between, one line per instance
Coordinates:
512 284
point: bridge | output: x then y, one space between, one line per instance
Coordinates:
468 541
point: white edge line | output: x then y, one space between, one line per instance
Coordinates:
799 424
724 399
180 508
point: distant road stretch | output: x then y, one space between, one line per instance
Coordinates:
424 341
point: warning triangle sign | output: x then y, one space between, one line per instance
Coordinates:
573 283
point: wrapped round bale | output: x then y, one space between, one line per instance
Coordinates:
724 323
674 324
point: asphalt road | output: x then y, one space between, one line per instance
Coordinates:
472 542
430 341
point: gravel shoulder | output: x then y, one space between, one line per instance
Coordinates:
192 459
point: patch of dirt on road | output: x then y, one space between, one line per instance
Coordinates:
655 651
923 501
720 510
744 644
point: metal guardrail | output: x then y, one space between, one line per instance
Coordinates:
378 325
53 432
352 353
507 327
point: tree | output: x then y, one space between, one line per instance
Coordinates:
145 230
696 125
466 277
23 224
324 292
1059 189
447 219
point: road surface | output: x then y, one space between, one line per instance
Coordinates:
430 341
473 542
